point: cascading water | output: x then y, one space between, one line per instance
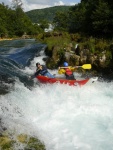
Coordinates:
62 116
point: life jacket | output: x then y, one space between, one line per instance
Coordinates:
41 72
68 71
44 70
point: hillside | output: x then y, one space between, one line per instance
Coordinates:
45 13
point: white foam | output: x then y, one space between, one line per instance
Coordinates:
64 117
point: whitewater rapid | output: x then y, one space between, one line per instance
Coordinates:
62 116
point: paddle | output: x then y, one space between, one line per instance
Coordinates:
85 66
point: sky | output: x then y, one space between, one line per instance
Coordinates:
39 4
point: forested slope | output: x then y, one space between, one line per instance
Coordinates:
48 14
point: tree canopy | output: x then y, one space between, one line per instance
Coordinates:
15 22
89 17
46 13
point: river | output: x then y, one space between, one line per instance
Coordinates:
62 116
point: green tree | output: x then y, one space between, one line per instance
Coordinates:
61 21
44 24
3 19
77 18
102 19
14 22
92 18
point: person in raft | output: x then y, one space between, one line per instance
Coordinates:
42 70
67 71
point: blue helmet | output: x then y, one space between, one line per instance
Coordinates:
65 64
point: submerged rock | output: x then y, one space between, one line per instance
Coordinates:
22 141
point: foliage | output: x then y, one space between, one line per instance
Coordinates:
76 37
77 18
47 13
57 40
101 18
93 18
61 21
101 45
44 24
94 45
61 52
14 22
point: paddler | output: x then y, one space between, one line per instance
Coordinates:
42 70
67 71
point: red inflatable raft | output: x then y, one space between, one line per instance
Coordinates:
44 79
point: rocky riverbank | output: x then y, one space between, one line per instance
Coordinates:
78 50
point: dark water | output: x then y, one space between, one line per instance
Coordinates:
14 56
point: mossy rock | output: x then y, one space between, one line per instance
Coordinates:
22 138
6 143
51 64
31 142
34 143
48 51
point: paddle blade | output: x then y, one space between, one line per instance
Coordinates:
86 66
